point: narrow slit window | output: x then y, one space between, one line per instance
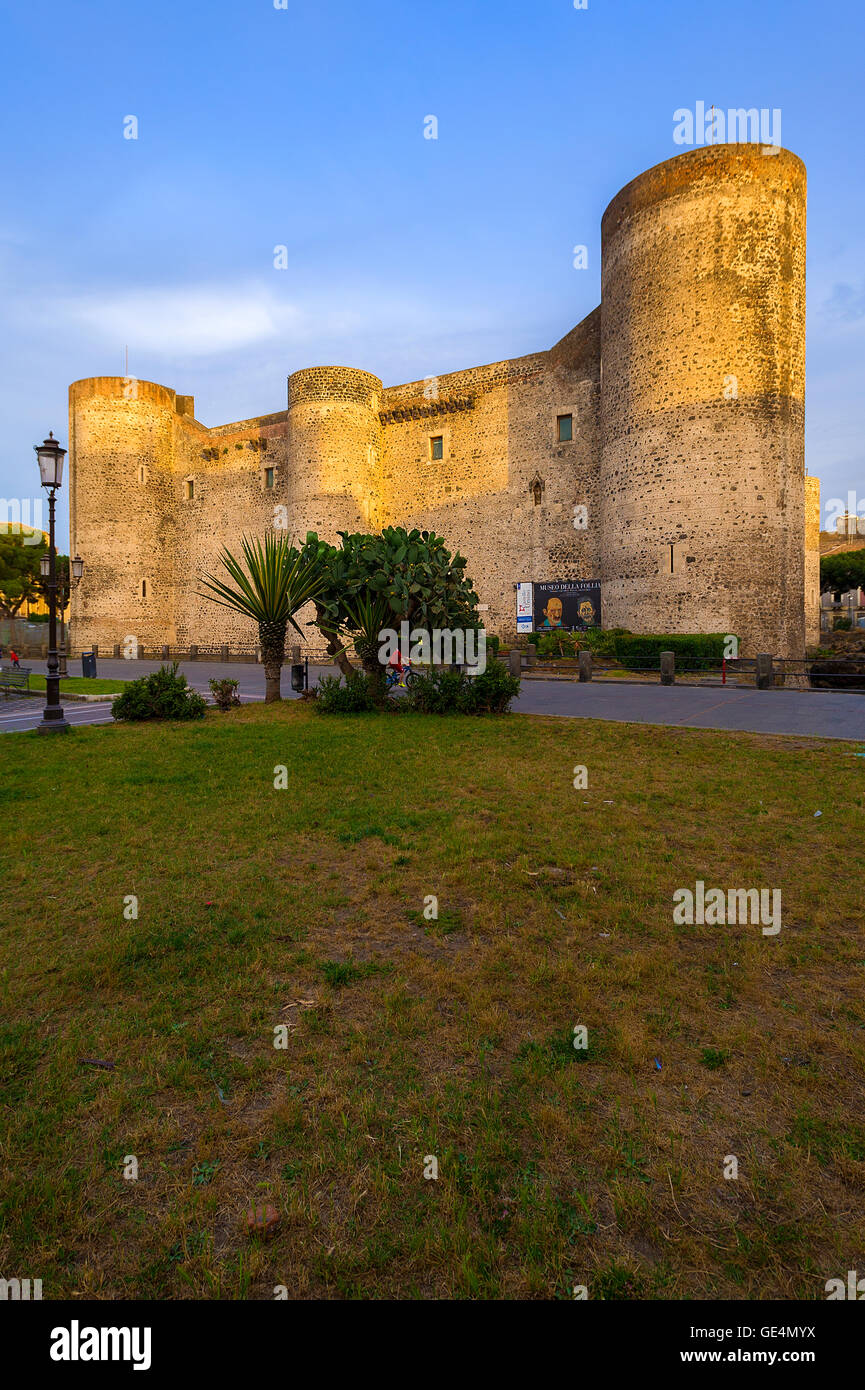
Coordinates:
144 588
190 489
672 559
565 428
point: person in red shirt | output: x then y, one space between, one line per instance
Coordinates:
13 657
398 669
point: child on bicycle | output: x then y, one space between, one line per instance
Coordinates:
399 669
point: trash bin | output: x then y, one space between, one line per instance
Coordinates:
297 676
88 664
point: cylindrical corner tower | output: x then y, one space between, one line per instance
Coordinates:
122 510
702 398
334 449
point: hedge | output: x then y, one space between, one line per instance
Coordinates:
700 649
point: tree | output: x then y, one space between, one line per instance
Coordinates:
19 572
844 570
278 580
378 581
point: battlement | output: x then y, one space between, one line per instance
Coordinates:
130 388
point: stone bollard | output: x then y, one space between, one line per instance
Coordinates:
223 653
515 661
95 649
532 653
668 668
193 651
585 660
164 653
765 672
116 651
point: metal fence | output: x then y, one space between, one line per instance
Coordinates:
765 672
166 652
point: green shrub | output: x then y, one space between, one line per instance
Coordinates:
224 694
359 694
162 695
436 691
558 643
491 692
446 691
694 650
598 640
493 644
842 625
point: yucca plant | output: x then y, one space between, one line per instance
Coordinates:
368 613
277 581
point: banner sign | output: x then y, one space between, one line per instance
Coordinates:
571 604
525 612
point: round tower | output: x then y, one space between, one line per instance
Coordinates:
702 398
122 509
334 451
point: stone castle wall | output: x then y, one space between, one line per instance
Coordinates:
703 346
703 282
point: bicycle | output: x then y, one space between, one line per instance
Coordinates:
399 680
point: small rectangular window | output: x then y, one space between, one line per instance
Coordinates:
566 428
437 446
268 477
190 489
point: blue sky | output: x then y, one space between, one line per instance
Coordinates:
303 127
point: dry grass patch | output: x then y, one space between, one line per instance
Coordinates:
409 1037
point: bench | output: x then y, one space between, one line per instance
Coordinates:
12 679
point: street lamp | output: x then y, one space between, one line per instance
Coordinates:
51 456
71 575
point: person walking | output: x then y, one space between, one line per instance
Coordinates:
13 657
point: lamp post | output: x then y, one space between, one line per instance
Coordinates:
72 576
63 582
51 456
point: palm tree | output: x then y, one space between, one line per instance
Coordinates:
277 582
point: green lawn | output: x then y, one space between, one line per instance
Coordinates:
408 1038
83 685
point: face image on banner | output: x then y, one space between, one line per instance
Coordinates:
569 604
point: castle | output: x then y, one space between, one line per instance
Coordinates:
658 447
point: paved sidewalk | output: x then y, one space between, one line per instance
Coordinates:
809 713
813 713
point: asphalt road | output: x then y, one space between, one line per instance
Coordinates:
814 713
